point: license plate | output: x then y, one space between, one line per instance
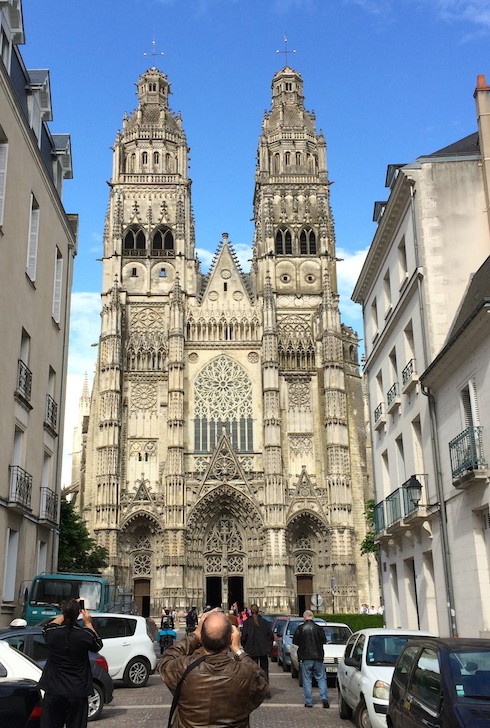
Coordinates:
331 668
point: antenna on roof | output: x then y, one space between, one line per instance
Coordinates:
154 51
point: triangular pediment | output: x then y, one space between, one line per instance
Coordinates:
224 466
142 492
225 286
304 496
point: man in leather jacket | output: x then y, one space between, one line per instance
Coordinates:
310 638
223 689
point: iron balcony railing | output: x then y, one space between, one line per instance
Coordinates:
399 503
378 411
24 380
408 371
379 517
20 486
51 412
466 452
48 510
392 394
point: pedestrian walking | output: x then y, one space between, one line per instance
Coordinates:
191 620
67 677
310 638
257 639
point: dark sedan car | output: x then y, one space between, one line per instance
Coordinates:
20 703
30 641
441 683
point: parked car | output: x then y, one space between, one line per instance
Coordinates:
128 647
337 635
30 641
365 671
20 697
442 683
285 640
277 626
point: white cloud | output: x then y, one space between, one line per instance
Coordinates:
84 331
347 274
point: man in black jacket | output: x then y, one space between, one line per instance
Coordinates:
67 677
310 638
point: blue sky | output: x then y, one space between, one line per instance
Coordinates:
389 80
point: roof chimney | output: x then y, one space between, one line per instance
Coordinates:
482 99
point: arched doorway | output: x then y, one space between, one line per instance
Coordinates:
224 559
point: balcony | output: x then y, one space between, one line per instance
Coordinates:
20 489
409 377
468 465
24 382
393 398
51 418
48 511
379 416
403 507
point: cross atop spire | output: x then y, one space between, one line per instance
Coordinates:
286 51
154 51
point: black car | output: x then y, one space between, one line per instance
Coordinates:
20 703
30 641
441 682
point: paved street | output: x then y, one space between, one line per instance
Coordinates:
148 707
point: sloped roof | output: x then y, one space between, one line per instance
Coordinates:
477 293
468 145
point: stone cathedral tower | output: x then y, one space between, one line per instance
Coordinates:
225 456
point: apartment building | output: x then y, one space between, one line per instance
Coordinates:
432 235
38 244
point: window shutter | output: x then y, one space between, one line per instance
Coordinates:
58 279
33 238
3 177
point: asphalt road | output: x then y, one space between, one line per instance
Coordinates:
148 707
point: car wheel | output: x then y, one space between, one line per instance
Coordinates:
95 703
136 673
345 711
286 668
361 717
294 672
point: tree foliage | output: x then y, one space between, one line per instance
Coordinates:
368 545
78 552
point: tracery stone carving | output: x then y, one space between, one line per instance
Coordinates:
224 468
142 542
223 391
299 395
301 444
142 564
303 542
304 564
296 344
144 396
224 531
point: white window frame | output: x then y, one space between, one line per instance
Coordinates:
33 239
58 285
10 574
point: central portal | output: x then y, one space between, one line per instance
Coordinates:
234 589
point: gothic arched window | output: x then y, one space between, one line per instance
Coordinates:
134 239
287 159
223 401
162 239
144 157
284 242
276 164
298 158
156 157
307 242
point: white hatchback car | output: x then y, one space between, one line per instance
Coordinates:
17 665
128 647
365 671
337 634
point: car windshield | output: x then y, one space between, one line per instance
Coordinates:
470 671
385 649
337 635
54 591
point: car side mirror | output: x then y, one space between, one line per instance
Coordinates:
352 662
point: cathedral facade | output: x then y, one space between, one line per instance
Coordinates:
225 448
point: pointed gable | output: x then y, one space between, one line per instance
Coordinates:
225 283
142 493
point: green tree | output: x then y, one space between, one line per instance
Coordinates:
368 545
78 552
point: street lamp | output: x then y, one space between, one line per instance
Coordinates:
414 490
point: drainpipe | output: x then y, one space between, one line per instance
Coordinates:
446 554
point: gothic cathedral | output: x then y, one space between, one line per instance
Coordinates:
224 454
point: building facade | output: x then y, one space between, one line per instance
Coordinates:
432 234
225 449
38 243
